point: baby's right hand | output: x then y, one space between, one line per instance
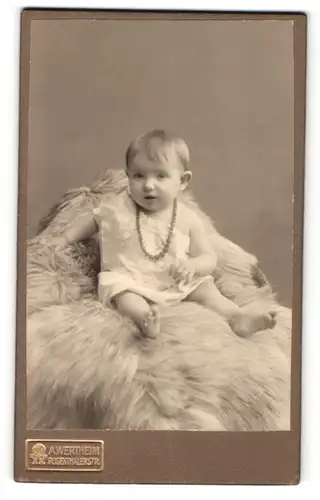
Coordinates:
58 242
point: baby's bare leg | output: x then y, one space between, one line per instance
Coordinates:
137 308
243 321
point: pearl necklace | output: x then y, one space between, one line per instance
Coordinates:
168 241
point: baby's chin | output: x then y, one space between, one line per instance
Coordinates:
152 205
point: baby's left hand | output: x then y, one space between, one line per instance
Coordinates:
182 272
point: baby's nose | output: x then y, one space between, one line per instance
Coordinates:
148 185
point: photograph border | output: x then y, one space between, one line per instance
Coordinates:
175 457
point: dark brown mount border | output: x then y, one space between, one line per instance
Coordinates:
161 456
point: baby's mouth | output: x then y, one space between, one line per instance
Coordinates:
150 197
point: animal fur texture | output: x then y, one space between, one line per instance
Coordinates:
88 367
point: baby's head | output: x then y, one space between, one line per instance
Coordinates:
157 169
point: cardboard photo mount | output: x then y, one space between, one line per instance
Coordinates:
176 457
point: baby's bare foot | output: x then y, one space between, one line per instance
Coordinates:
247 322
150 324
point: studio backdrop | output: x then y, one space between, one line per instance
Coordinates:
226 88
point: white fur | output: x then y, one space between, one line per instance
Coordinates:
89 368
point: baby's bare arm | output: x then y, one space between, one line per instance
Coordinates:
83 228
202 256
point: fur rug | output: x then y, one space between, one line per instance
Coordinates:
88 367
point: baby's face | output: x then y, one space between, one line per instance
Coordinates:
154 185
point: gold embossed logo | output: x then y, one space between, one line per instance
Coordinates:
64 455
38 454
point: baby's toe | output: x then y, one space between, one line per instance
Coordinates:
150 325
269 320
154 312
273 319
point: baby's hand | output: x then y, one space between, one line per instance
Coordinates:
182 272
58 242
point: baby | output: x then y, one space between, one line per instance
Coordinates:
154 249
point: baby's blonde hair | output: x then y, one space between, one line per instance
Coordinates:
155 145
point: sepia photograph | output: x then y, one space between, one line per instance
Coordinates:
159 224
159 202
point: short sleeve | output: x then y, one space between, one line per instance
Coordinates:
96 215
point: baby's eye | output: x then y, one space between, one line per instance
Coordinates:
161 176
137 175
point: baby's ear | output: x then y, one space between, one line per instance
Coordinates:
185 179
